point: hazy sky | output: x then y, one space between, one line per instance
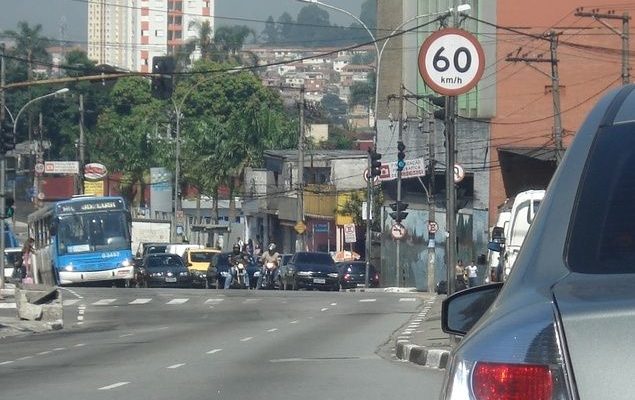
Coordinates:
52 13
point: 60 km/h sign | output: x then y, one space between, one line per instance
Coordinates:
451 61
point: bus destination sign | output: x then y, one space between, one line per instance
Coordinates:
90 206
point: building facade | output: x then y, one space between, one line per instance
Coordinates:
128 33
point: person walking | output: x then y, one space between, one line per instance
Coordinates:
459 276
27 252
472 273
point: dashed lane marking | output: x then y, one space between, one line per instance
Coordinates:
6 362
294 322
246 339
324 309
408 299
70 302
272 330
367 300
42 353
333 304
140 301
175 366
80 345
213 301
177 301
214 351
113 386
24 358
104 302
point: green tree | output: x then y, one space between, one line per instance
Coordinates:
229 41
285 25
313 26
335 108
270 33
361 93
203 42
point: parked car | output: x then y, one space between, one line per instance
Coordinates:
314 270
560 327
352 274
198 261
164 270
11 256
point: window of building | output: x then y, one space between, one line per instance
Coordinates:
159 33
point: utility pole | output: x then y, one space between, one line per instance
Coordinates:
624 35
82 145
300 228
432 257
555 87
3 166
369 199
38 159
450 189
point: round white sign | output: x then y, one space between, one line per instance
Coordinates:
459 173
39 168
398 231
433 227
451 61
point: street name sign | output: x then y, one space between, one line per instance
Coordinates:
414 167
451 61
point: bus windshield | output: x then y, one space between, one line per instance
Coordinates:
95 231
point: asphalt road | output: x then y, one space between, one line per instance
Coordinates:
209 344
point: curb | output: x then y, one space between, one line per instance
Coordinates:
431 358
382 290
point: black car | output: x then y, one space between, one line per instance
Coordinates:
219 270
164 270
353 274
314 270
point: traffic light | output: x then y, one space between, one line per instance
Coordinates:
375 164
7 140
399 209
8 207
401 162
438 101
163 84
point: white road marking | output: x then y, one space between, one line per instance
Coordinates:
213 301
69 302
324 309
41 353
80 345
281 360
333 304
294 322
80 323
246 339
177 301
175 366
251 301
367 300
6 362
114 385
140 301
126 335
80 317
104 302
72 292
214 351
7 305
59 348
408 299
24 358
272 330
81 311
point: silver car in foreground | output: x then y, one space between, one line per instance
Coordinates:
562 325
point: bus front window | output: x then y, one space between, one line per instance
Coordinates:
93 232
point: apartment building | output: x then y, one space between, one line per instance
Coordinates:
129 33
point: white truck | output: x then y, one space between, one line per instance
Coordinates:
515 228
149 231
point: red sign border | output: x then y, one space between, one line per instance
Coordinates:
422 58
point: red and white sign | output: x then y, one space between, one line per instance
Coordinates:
375 178
398 231
414 167
349 233
433 227
61 167
95 171
459 173
451 61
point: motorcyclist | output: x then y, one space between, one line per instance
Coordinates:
269 256
235 258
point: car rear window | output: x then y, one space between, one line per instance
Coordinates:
602 235
356 268
314 258
201 256
164 261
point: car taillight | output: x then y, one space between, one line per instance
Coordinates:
512 381
377 277
347 277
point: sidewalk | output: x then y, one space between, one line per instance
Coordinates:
421 340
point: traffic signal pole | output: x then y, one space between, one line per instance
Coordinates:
399 274
3 166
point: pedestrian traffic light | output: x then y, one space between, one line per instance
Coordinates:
7 139
8 207
401 155
162 82
438 101
399 209
375 164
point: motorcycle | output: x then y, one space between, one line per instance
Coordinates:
239 276
269 276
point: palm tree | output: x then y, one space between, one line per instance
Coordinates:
203 43
29 45
230 40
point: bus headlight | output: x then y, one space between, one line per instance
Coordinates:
126 263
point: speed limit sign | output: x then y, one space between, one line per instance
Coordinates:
451 61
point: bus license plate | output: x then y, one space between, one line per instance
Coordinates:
170 279
319 280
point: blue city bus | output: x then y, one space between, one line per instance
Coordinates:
84 239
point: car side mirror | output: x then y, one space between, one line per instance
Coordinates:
461 311
494 246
